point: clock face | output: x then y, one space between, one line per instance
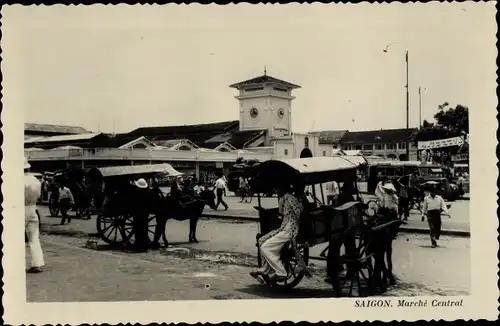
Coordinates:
281 113
254 113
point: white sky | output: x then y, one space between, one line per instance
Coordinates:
123 67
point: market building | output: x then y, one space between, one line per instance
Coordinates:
262 132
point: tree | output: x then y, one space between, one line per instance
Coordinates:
449 122
455 120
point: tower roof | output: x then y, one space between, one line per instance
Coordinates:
264 79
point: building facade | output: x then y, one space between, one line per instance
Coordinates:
387 144
263 132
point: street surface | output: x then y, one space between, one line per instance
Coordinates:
217 267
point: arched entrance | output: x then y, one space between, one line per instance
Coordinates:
306 152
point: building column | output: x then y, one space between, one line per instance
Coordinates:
83 164
197 169
131 162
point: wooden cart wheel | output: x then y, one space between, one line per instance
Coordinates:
151 229
289 260
357 259
115 229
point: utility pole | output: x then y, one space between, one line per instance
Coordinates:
419 107
407 110
407 101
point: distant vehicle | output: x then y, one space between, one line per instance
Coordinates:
396 169
425 172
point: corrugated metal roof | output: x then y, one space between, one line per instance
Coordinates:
35 127
61 138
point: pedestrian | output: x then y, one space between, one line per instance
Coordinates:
332 193
32 191
142 204
433 206
225 182
379 192
66 200
461 184
404 201
389 202
220 188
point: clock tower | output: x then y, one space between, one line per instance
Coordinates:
266 103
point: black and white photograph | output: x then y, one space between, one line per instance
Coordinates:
192 163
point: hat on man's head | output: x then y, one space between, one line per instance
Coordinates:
389 186
26 164
141 183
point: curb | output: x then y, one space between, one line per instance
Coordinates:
457 233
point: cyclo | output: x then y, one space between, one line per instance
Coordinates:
357 242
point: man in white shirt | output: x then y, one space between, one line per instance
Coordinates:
332 193
32 192
433 206
220 188
65 202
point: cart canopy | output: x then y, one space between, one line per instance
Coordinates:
134 171
312 170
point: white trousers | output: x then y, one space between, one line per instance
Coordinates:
270 250
31 226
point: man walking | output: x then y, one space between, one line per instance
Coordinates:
32 191
66 200
220 188
404 201
433 206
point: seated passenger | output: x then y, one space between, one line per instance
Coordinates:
272 243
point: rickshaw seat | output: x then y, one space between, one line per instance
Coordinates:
315 224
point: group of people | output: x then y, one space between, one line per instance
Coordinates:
396 203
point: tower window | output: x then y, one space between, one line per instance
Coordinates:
280 89
286 151
254 89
